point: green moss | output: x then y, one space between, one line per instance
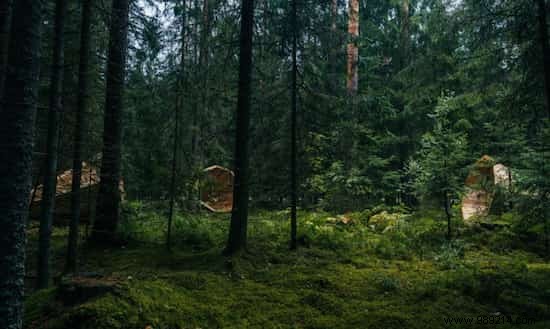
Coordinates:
342 279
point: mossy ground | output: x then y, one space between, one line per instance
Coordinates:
343 276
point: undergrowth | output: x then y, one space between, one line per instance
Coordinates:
347 273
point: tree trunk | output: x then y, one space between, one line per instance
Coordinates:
50 177
334 45
404 57
239 216
179 104
353 49
293 147
543 30
108 199
404 42
448 214
5 22
82 107
16 142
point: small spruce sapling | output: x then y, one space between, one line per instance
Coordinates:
441 160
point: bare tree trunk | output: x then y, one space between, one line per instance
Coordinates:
353 49
50 177
108 199
334 45
293 148
405 40
179 105
239 217
543 29
16 142
5 22
82 108
404 57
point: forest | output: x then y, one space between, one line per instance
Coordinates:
315 164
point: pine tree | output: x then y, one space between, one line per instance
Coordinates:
16 139
239 217
108 199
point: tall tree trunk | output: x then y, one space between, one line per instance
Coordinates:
353 49
82 107
405 26
16 142
404 57
334 45
5 22
293 147
50 177
204 62
179 105
239 216
108 199
543 31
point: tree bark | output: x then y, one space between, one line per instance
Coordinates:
239 217
50 177
108 199
405 26
293 126
5 22
334 45
179 105
543 31
404 57
16 142
82 108
353 49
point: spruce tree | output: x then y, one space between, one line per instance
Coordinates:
16 142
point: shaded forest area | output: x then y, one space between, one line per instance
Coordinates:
274 164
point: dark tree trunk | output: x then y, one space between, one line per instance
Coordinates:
293 147
50 177
448 214
16 139
5 22
108 199
239 216
543 30
179 105
82 107
404 57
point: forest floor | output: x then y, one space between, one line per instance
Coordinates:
355 271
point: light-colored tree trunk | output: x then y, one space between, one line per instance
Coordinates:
404 42
353 49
